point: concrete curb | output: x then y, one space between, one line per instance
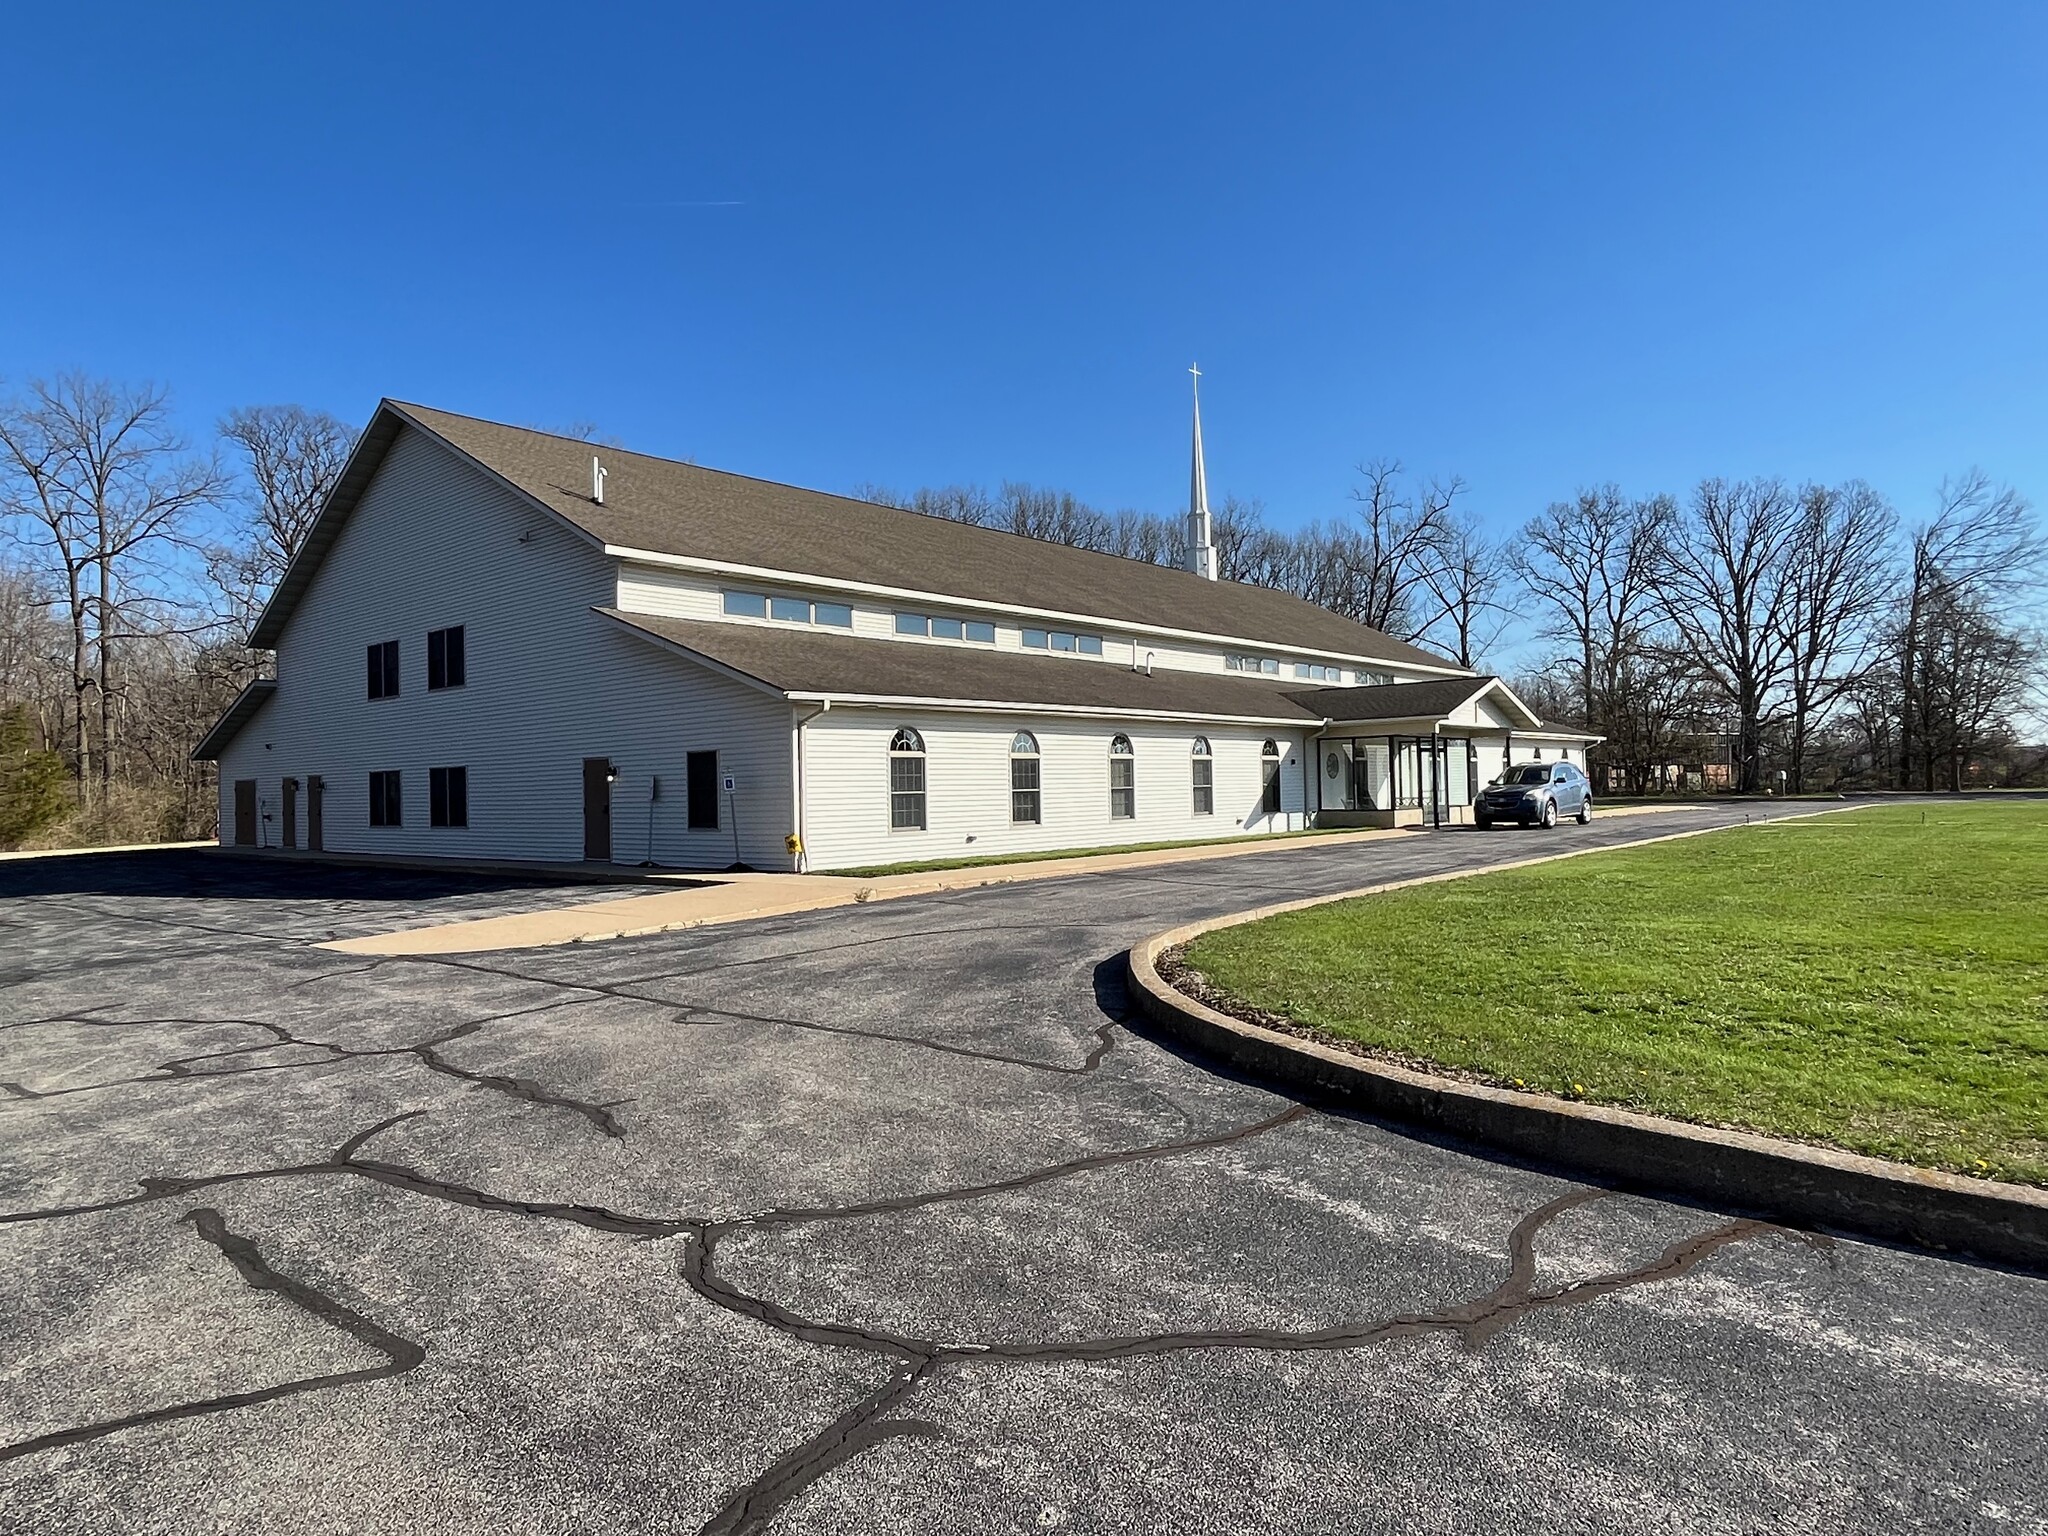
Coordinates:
1788 1181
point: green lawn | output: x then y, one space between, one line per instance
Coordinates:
1877 980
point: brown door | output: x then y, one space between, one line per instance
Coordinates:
597 809
245 813
315 786
291 813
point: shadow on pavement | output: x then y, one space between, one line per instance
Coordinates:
203 872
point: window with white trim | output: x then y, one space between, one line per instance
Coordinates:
1269 767
785 610
939 627
1204 778
906 781
1062 640
1123 779
1025 806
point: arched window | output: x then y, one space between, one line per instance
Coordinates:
1123 779
1205 778
906 780
1024 781
1269 768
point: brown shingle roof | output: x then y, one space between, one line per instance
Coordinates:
808 661
240 711
680 509
1432 699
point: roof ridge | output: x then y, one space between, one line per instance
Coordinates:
1112 589
810 490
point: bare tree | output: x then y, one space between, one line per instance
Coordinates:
1975 676
1590 565
1725 582
31 648
1058 517
109 495
292 459
1396 542
1467 583
1839 580
1654 709
1145 536
968 504
1549 689
1246 549
1982 550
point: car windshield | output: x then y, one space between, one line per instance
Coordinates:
1533 773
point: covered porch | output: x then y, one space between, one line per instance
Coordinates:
1416 754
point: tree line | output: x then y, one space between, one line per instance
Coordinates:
1806 629
1753 629
133 561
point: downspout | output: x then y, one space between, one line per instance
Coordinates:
803 859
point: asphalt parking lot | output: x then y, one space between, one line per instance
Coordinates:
881 1219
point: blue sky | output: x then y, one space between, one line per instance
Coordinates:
1536 246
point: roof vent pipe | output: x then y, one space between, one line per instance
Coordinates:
596 481
1148 663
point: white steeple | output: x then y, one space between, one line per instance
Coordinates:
1200 555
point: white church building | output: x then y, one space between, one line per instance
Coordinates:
495 645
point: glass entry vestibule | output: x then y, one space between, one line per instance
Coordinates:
1429 778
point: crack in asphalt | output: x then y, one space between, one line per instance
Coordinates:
344 1160
687 1013
400 1354
913 1362
1105 1038
860 1428
919 1361
870 942
426 1052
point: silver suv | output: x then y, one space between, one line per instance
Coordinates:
1535 795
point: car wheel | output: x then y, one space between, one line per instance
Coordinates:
1549 813
1585 810
1483 823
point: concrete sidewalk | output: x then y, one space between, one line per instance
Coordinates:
74 853
732 898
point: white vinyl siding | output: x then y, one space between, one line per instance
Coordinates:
434 543
681 595
970 788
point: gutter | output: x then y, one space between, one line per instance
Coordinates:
1015 706
634 555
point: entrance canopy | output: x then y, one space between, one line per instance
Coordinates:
1415 754
1483 702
